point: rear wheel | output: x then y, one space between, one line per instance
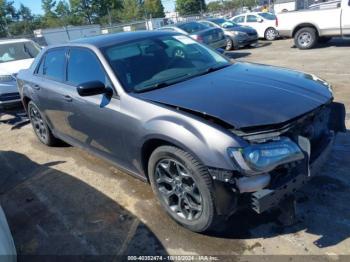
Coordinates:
305 38
271 34
183 187
41 129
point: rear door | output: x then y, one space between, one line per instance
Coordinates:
48 87
253 21
94 121
345 18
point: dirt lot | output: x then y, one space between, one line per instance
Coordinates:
65 201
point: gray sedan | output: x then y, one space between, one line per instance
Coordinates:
213 37
211 136
237 35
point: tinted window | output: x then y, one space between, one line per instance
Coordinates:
83 66
54 64
18 51
207 24
192 27
239 19
252 19
268 16
159 61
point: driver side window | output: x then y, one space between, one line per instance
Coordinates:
239 19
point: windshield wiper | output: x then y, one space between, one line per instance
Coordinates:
212 69
163 84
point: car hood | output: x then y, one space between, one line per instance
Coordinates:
12 67
246 95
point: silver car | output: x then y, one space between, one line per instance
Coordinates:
15 55
237 35
213 37
211 136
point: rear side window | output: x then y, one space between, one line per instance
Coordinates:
52 66
83 66
192 27
239 19
252 19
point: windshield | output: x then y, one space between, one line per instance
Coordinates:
268 16
192 27
224 23
160 61
17 51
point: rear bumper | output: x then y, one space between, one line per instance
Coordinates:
265 199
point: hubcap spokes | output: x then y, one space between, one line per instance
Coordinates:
178 189
305 39
38 123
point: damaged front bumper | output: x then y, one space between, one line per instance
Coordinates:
265 199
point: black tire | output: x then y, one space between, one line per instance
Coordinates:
270 34
305 38
324 40
202 184
41 129
229 44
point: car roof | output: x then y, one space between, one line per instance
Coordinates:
117 38
11 41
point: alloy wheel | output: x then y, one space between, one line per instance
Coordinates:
178 189
271 34
38 123
305 39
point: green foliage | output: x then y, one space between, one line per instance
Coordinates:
188 7
154 8
214 6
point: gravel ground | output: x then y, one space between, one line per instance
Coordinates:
64 201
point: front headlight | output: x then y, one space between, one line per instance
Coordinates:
237 33
261 158
323 82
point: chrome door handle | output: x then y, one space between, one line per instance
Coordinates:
68 98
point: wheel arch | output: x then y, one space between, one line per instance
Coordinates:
298 27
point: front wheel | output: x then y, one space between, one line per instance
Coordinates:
183 187
229 44
305 38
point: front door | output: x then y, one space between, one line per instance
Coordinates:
94 121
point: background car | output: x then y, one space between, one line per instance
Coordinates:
15 55
213 37
237 35
7 247
264 23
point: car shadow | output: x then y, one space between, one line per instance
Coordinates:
53 213
322 206
237 55
16 117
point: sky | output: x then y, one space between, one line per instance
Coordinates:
35 5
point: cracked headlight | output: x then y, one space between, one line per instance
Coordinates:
261 158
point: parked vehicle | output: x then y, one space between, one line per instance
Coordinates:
14 55
7 247
280 6
213 37
264 23
210 135
309 27
237 36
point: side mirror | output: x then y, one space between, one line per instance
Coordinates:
260 20
92 88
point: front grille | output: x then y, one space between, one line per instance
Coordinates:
9 97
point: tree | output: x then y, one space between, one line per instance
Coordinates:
154 8
214 6
7 15
188 7
47 6
84 8
132 10
63 12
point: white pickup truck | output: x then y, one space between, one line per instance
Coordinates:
308 27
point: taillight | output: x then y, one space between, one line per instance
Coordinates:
276 21
198 38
